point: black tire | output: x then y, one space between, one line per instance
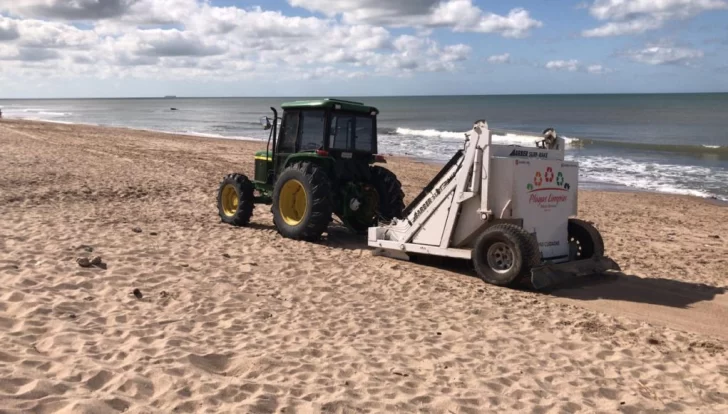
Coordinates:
368 213
584 240
240 212
521 250
391 196
318 208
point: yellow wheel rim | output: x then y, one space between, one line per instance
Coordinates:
229 200
292 202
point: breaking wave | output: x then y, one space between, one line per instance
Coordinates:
33 113
627 170
499 137
430 133
529 139
662 177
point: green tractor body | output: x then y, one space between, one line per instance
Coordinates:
318 163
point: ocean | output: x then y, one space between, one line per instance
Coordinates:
670 143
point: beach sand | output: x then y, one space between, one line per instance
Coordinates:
241 320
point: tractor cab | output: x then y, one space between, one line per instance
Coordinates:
330 129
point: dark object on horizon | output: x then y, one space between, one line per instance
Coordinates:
172 109
170 96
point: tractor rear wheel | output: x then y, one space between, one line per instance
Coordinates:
584 240
389 189
302 202
235 200
504 253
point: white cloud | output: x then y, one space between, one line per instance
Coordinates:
573 65
598 69
43 34
568 65
327 72
205 42
386 12
500 59
454 53
622 10
638 16
130 11
173 42
459 15
622 28
8 29
69 9
665 54
162 11
518 23
28 54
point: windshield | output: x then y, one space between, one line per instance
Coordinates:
312 130
352 133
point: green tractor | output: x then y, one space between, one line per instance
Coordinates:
317 165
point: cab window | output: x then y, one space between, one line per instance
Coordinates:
312 131
352 133
342 132
287 143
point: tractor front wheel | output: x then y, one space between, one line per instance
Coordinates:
301 202
235 200
504 253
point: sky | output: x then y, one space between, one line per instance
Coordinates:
148 48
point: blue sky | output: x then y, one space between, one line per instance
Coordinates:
100 48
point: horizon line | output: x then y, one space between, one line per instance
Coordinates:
364 96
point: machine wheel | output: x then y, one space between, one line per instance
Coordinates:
504 253
391 197
584 240
301 202
235 199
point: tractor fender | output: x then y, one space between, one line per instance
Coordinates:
326 162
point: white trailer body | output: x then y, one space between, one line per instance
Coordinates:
487 184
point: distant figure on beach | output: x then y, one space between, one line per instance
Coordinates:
1 114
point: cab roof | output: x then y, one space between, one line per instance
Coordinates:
329 103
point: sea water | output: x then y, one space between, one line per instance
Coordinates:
671 143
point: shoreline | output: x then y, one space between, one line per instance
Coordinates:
586 186
190 134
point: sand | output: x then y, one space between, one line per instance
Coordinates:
241 320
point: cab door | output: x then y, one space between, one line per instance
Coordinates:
287 139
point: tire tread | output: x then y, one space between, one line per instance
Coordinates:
319 185
391 196
524 241
245 189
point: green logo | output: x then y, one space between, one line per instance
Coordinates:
560 179
529 187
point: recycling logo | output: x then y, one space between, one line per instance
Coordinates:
549 176
560 179
537 180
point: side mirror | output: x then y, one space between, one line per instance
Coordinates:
265 121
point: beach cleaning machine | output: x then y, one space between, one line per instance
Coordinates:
507 208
